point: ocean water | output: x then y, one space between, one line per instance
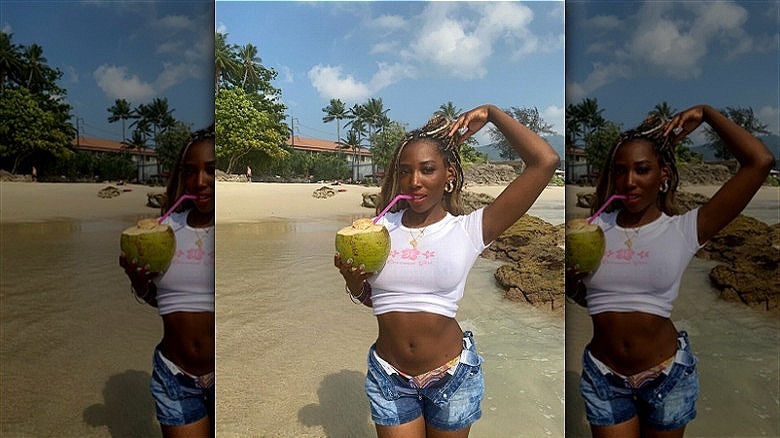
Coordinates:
738 350
75 347
291 346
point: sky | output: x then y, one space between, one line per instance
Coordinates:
109 50
631 56
415 56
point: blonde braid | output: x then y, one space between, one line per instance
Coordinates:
437 132
651 130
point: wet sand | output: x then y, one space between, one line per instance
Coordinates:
75 346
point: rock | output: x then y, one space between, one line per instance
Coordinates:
230 177
750 268
536 272
370 199
10 177
474 201
109 192
755 283
156 200
585 200
324 192
489 174
704 174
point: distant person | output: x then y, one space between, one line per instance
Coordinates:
183 363
34 174
248 174
639 376
424 374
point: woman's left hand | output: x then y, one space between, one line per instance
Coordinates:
472 121
684 123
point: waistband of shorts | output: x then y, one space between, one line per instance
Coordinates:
468 354
681 355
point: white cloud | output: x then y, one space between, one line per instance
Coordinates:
391 22
287 74
330 82
117 83
670 39
771 116
556 116
221 27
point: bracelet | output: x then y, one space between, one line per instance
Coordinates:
151 289
365 293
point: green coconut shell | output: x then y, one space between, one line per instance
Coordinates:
365 243
150 244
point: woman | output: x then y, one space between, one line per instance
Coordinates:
639 376
183 377
424 376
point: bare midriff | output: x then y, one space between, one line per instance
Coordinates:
632 342
417 342
188 341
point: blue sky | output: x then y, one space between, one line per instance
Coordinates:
132 50
415 56
633 55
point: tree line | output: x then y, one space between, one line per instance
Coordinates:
588 130
37 129
252 131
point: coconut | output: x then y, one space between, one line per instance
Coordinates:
365 243
149 243
585 245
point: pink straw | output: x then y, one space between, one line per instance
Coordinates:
397 198
598 212
176 204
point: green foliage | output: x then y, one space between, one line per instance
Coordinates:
82 165
582 119
241 128
28 127
743 117
170 142
527 116
304 166
599 142
384 143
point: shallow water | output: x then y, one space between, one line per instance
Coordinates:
738 350
291 346
76 348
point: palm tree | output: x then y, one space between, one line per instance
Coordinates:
585 117
35 64
157 116
226 64
353 142
10 60
121 111
248 61
449 110
664 110
137 141
338 112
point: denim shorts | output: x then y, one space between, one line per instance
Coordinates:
666 403
451 404
179 398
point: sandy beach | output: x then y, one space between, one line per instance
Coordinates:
290 346
245 202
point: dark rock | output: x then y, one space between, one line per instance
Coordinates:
370 199
109 192
156 200
324 192
489 174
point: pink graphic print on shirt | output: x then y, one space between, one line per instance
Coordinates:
625 256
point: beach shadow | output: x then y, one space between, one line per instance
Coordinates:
576 423
343 408
128 408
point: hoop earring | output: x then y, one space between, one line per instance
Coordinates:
665 185
449 187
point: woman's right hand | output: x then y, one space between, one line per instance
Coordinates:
354 276
140 276
575 289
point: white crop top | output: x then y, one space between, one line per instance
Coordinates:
432 276
188 283
644 277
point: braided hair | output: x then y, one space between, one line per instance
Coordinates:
650 130
175 187
436 132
